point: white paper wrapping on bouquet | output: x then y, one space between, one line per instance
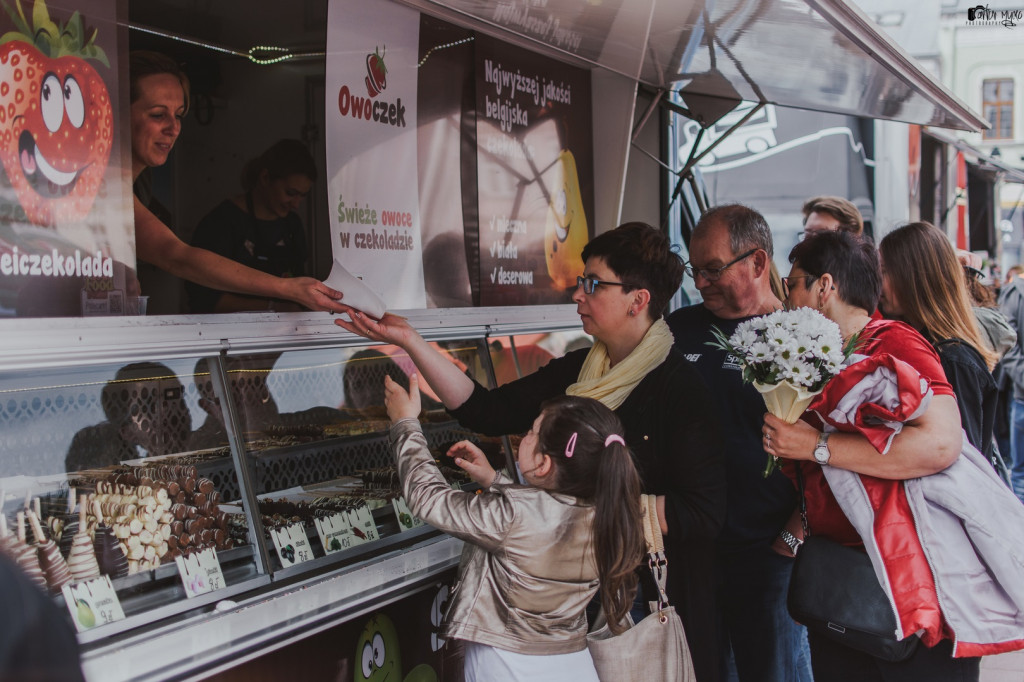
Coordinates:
784 400
356 293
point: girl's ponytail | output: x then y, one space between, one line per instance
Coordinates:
593 463
618 535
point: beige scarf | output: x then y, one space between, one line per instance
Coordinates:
612 385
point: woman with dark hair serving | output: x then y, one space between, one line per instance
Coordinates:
159 101
259 227
630 273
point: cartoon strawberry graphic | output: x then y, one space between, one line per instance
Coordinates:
56 118
376 72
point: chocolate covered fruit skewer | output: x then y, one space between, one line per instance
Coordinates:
70 527
26 556
82 559
55 569
7 540
109 555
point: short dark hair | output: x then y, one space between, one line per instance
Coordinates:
642 258
851 260
747 228
280 160
142 63
849 217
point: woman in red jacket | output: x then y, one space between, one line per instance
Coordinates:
839 275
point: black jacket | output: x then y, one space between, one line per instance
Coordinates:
676 442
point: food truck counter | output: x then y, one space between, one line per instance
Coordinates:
218 495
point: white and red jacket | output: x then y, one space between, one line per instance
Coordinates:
948 548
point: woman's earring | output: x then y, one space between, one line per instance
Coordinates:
632 312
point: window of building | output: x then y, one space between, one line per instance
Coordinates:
997 107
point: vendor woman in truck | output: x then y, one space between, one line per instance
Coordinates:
159 101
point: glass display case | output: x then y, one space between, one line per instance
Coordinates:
271 460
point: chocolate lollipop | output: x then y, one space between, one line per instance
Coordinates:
26 557
70 527
109 555
7 541
82 559
55 569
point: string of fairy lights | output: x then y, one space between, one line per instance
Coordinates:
267 55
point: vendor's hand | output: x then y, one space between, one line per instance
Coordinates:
313 294
472 460
402 405
791 441
388 329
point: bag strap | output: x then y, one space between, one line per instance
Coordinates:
803 500
656 560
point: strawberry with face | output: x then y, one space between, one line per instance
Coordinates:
56 118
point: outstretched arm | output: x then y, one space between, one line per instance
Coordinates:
155 243
445 378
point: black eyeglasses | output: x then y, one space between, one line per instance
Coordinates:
714 274
590 284
786 281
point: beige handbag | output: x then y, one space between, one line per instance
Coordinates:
655 648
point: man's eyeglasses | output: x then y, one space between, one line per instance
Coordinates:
787 280
590 284
714 274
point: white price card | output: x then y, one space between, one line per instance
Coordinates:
335 533
93 603
363 526
292 544
200 572
406 521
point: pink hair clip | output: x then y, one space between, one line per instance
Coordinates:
570 447
614 438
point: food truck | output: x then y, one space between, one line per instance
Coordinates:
220 484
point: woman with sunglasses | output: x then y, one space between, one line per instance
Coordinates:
630 274
838 274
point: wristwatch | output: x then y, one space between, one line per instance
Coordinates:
791 540
821 451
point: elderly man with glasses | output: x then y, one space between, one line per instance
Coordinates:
730 262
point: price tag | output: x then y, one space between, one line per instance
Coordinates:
200 572
93 603
292 544
335 533
363 526
406 521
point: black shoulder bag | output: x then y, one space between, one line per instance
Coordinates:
834 592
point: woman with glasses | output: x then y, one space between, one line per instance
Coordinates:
838 274
630 274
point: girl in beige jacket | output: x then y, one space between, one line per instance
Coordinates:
536 554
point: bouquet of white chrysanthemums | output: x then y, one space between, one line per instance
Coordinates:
789 356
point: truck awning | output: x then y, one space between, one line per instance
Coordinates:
983 159
823 55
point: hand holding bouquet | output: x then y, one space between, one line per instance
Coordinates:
789 356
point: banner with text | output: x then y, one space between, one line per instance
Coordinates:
460 167
534 174
67 240
371 147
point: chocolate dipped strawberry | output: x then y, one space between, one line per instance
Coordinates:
56 117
